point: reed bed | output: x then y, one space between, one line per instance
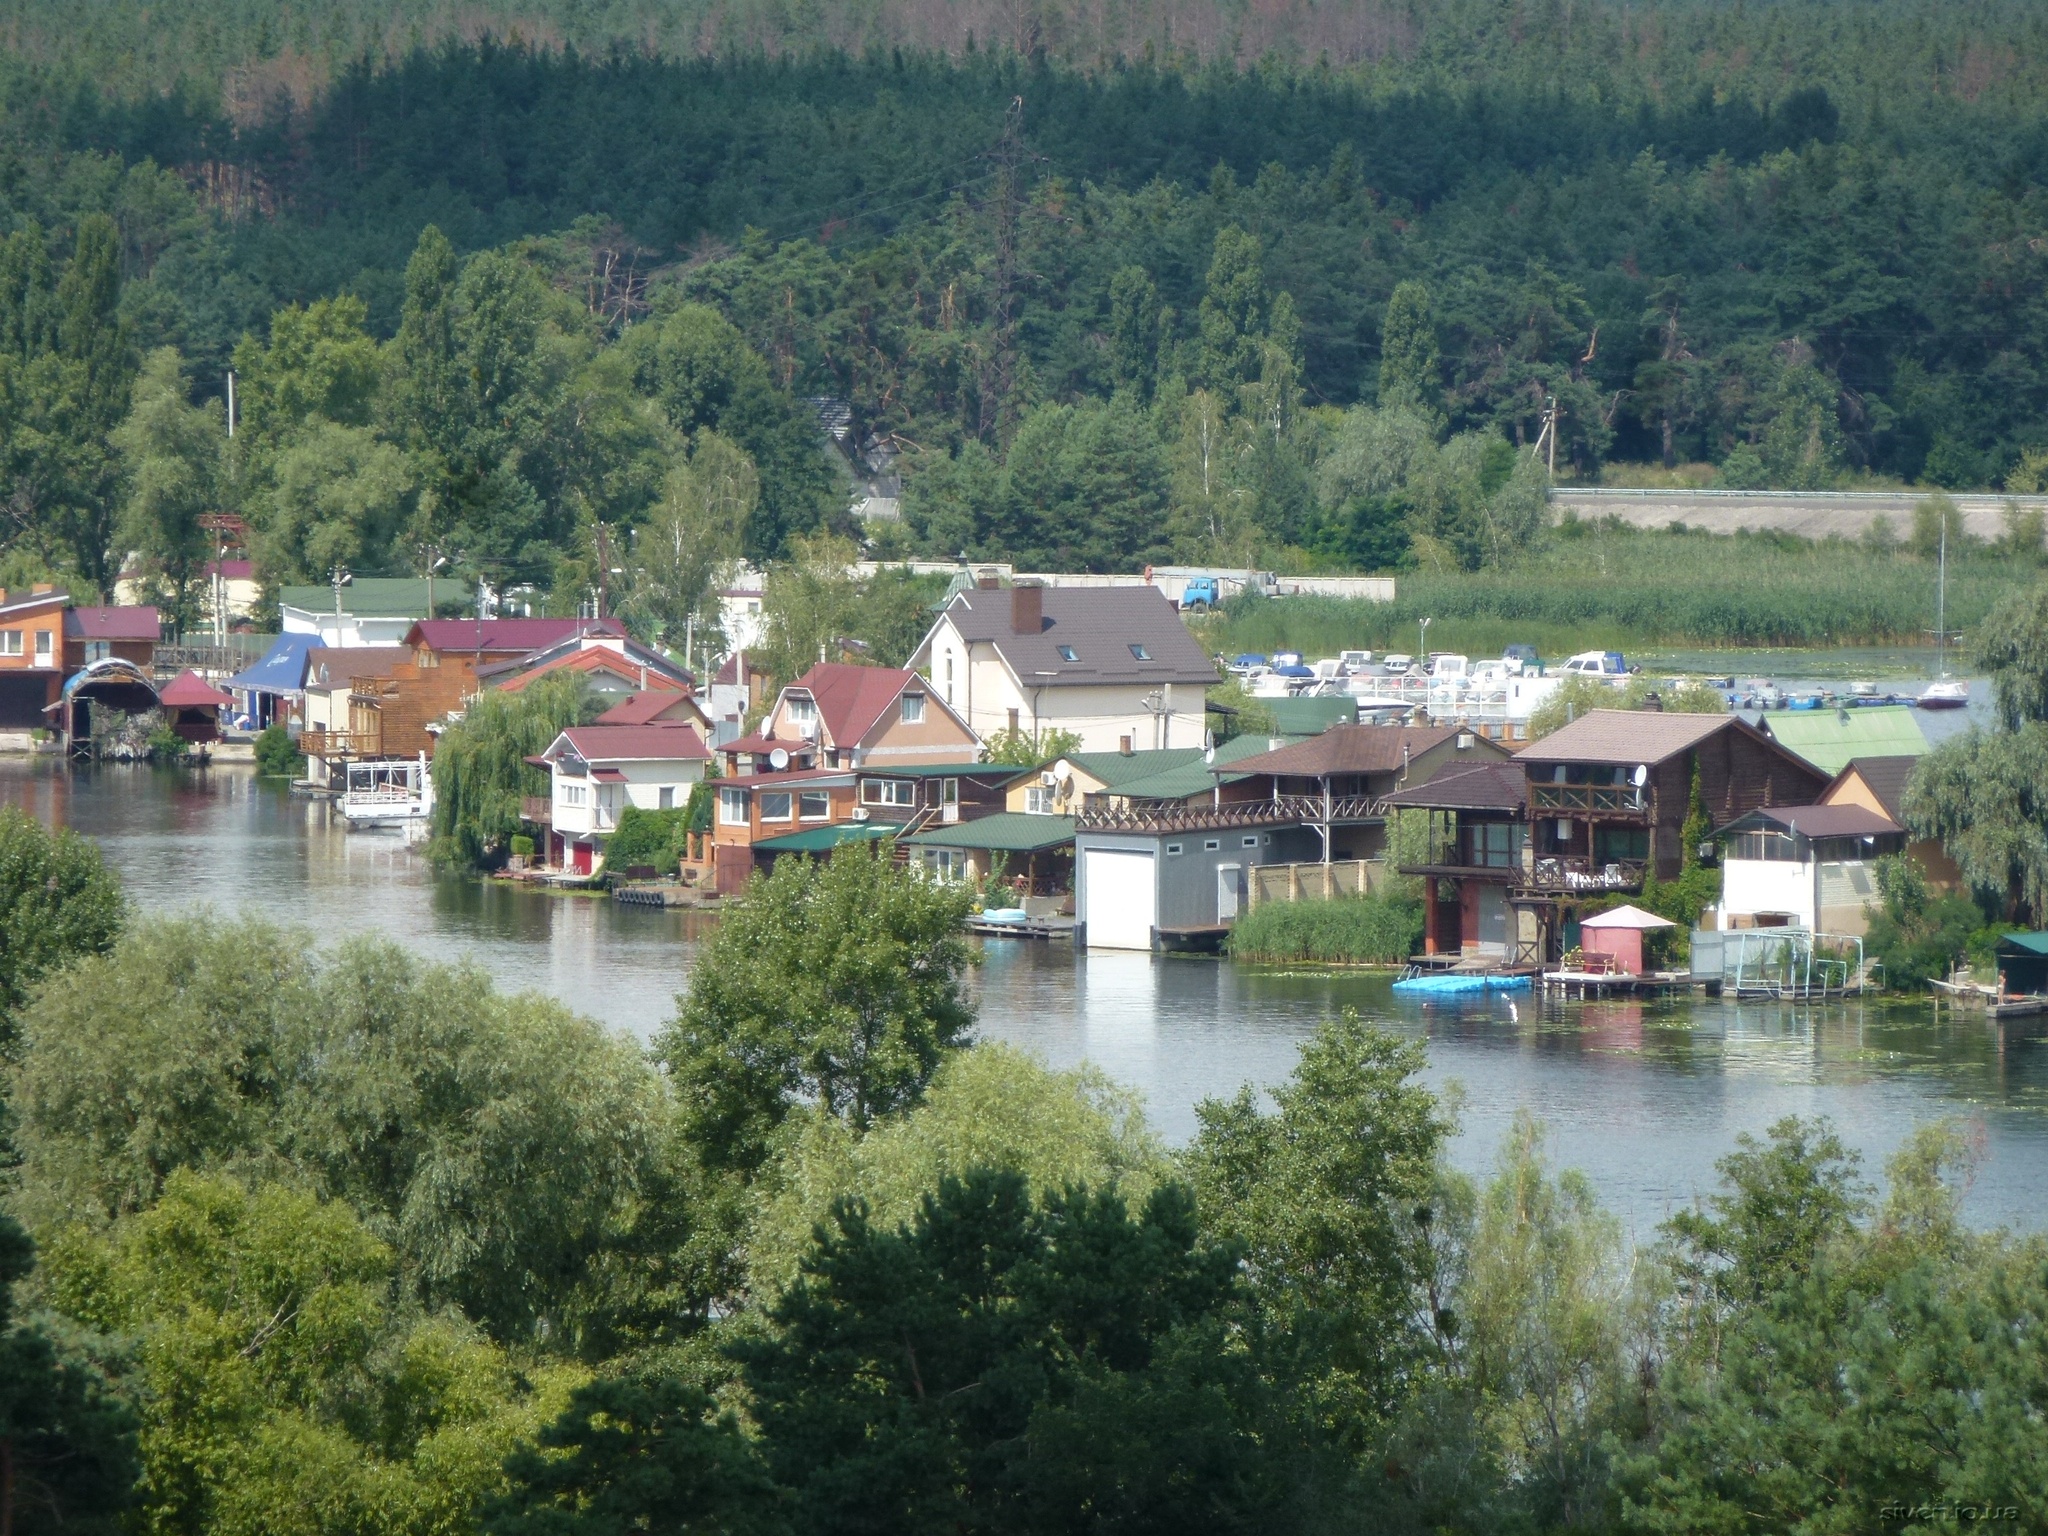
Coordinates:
1378 929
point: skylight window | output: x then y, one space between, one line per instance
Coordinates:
1068 653
1140 653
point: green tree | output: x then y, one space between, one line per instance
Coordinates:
320 362
67 1441
1985 796
836 984
98 366
1232 318
429 396
1133 330
171 453
333 495
1025 749
58 903
2011 644
1408 351
481 775
1328 1198
694 533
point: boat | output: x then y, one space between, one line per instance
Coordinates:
1451 983
1944 692
1719 682
387 793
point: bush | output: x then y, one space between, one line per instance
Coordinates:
167 746
277 755
659 838
1380 929
522 847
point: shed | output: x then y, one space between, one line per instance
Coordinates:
194 706
1619 935
2023 964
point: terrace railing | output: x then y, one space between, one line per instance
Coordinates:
1587 799
1589 875
325 743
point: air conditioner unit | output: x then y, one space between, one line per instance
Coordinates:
1048 778
860 813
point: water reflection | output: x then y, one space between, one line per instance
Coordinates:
1643 1095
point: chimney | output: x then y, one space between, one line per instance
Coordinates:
1127 745
986 583
1652 704
1027 608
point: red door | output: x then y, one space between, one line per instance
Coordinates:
579 858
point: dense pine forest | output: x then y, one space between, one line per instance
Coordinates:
1110 285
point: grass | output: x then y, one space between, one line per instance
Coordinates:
1619 590
1372 930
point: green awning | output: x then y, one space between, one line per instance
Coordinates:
2032 943
825 839
1006 832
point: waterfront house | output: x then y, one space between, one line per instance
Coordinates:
1803 866
1336 781
1473 858
369 610
272 691
46 639
1879 784
1064 786
1176 876
596 771
336 730
839 715
1113 665
659 706
192 707
613 665
1830 738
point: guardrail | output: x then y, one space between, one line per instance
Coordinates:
1592 875
1587 799
316 742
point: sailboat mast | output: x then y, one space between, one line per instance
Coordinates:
1941 606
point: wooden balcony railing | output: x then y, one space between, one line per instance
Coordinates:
1589 875
1588 799
332 744
538 809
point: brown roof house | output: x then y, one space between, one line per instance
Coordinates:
1879 784
838 715
1114 665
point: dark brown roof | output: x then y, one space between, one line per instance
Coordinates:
344 663
652 705
1821 820
1349 749
1099 624
1630 736
1884 776
634 743
124 623
1494 786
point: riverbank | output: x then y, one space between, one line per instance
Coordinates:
1636 591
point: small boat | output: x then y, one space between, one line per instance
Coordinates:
1720 682
1449 983
1945 694
1863 690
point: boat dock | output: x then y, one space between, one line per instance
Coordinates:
1584 983
1023 928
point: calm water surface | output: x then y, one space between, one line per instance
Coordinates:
1642 1096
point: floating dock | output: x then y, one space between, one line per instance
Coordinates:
1615 983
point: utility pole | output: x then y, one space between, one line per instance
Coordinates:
231 402
604 563
339 577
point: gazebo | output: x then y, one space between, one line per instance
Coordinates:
1618 934
192 706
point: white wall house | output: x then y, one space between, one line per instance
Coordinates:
1114 665
597 771
1804 866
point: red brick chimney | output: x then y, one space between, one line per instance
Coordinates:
1027 608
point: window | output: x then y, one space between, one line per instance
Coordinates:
776 805
1173 850
946 863
1621 843
802 711
1493 845
949 791
1251 842
1139 653
814 805
1212 845
888 792
10 642
668 797
913 709
574 794
43 647
732 807
1038 800
98 650
949 677
1068 653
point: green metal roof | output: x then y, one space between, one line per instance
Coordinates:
1005 832
1312 717
1114 768
380 597
825 839
1197 778
2033 943
1828 738
872 769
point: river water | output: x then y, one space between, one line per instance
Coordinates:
1642 1096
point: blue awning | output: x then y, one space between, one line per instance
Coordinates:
282 669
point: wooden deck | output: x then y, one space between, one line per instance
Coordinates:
1615 983
1030 928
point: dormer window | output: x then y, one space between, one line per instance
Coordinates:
802 711
1068 653
913 709
1139 653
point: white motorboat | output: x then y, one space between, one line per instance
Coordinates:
392 793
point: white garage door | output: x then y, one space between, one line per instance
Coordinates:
1120 894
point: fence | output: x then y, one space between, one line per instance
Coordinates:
1314 882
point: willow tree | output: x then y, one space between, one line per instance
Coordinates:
481 773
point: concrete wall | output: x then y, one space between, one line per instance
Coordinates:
1809 514
1750 886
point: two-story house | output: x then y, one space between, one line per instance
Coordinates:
839 715
612 666
1113 665
596 771
45 640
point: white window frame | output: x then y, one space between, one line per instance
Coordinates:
732 807
801 710
1039 799
10 642
665 799
573 794
1173 850
897 794
1210 845
46 648
913 709
947 864
777 805
821 795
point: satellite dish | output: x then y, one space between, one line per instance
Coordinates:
779 760
1642 775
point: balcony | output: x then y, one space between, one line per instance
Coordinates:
1592 877
1587 800
538 809
335 744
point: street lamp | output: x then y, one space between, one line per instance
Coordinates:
1422 643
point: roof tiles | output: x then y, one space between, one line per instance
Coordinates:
1099 625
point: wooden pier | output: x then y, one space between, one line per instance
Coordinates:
1029 928
1615 983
